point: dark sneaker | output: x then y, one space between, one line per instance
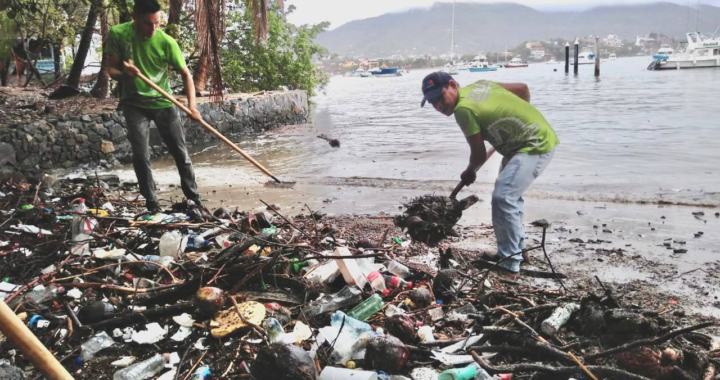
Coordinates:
153 207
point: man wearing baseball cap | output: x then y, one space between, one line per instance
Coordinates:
501 114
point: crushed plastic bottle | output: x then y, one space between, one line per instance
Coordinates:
399 270
377 282
391 310
195 242
367 308
200 373
350 324
162 260
142 370
93 345
82 227
172 244
274 330
347 296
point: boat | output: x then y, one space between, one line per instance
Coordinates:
612 57
480 64
516 63
385 71
697 52
585 57
450 67
664 52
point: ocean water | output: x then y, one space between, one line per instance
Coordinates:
631 135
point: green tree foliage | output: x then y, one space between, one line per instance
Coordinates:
284 59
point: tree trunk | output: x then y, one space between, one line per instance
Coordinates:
4 71
71 86
175 11
200 76
101 90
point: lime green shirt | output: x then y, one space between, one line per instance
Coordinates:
507 122
151 56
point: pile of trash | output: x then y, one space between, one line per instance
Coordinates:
113 292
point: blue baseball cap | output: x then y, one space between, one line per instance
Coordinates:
433 85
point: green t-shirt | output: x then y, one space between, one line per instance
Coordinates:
507 122
151 56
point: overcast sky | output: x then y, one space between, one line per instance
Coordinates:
339 12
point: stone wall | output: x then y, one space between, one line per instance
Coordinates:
73 140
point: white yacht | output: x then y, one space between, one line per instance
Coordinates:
585 57
480 64
697 52
612 57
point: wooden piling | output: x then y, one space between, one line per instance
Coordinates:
567 57
597 56
577 53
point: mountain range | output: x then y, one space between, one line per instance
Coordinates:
489 27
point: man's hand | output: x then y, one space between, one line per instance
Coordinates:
195 113
130 71
468 176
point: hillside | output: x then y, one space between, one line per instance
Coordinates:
485 26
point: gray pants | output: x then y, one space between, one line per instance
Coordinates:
170 127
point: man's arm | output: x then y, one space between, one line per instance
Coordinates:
519 89
190 90
478 156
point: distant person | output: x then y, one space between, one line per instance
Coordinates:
501 114
150 51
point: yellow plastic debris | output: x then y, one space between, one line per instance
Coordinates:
228 321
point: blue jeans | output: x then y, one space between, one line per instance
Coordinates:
516 175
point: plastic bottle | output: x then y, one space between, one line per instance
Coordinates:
172 244
391 310
81 229
396 282
274 329
196 242
142 370
44 295
93 345
347 296
558 318
367 308
200 373
470 372
351 325
399 270
377 282
162 260
335 373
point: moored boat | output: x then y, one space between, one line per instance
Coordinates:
697 52
516 62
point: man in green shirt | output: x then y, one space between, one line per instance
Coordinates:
140 47
501 114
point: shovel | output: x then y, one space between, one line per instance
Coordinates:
210 128
460 185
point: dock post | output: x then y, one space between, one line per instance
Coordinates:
577 53
567 57
597 57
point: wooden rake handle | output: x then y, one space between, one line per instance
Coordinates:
206 125
21 336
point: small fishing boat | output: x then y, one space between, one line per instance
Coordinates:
664 52
516 62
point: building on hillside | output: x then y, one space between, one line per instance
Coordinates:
349 64
534 45
612 40
367 64
537 55
642 41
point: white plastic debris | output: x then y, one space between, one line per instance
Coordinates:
50 269
184 319
8 287
30 229
75 293
449 359
301 332
101 253
423 373
173 361
182 334
453 348
124 361
169 375
108 207
200 344
153 334
117 333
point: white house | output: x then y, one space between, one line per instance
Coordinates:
537 54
